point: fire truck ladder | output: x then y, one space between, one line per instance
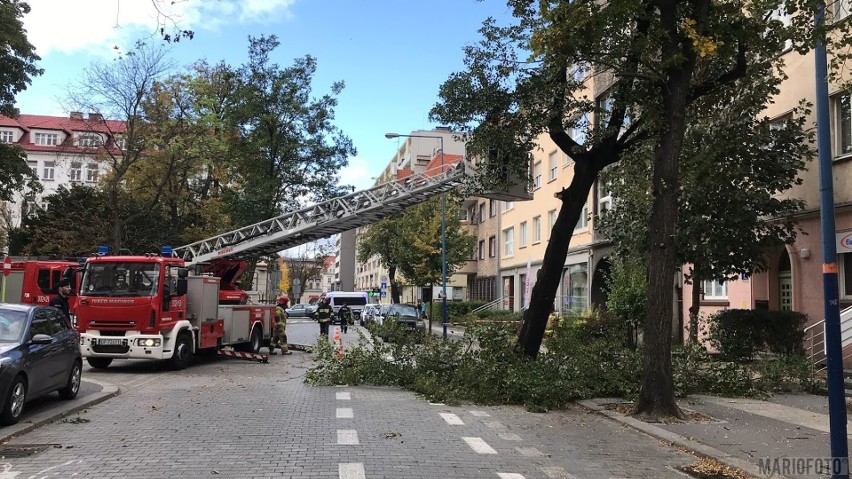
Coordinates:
325 219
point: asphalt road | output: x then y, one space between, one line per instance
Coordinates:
228 418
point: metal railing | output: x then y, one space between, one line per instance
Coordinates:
815 340
490 305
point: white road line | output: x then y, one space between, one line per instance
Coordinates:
529 451
479 446
508 436
345 413
437 404
347 437
480 413
343 396
351 470
556 473
510 475
452 419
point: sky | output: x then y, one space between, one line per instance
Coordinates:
393 55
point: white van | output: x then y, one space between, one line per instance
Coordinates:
355 300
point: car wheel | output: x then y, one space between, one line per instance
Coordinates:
99 363
72 387
14 404
182 355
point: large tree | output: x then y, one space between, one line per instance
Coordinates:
653 59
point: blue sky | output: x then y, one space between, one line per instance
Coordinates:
392 54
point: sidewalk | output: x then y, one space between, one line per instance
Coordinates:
50 408
743 433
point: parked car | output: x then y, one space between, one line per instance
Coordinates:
39 354
405 314
379 314
300 310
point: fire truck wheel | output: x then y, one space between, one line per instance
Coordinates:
183 352
14 404
99 363
256 340
72 387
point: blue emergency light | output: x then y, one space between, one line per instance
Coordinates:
166 251
103 250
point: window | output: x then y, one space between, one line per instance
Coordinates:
120 142
583 222
46 139
604 108
76 171
92 172
537 175
551 219
33 166
522 235
462 214
492 246
575 287
845 275
604 197
482 249
781 15
41 324
578 131
553 165
481 212
509 242
49 166
842 123
7 136
841 9
492 208
536 230
89 140
715 290
509 205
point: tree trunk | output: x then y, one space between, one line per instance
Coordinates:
547 281
695 306
394 289
656 393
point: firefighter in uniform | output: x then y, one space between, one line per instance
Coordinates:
345 316
323 314
279 334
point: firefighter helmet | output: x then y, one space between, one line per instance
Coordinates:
283 300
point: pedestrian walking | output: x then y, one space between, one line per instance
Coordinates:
345 317
421 309
323 315
60 301
279 332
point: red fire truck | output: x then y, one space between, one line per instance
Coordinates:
35 281
151 307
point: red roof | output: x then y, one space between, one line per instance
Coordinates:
67 125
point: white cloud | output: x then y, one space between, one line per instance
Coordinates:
78 25
358 173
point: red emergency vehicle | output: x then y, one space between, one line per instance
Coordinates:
152 307
35 281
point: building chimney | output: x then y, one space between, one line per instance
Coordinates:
95 117
76 115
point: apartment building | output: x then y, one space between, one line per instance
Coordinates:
794 278
62 151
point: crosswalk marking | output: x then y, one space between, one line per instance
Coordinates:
556 473
510 475
351 470
529 451
494 425
345 413
480 413
347 437
508 436
343 396
479 446
452 419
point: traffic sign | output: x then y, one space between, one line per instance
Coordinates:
384 279
384 285
7 265
384 293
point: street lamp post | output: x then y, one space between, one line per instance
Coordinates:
443 231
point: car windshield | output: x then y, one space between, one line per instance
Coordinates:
12 325
120 279
404 310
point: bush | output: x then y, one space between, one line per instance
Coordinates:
739 334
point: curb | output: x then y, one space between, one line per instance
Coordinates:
696 448
46 417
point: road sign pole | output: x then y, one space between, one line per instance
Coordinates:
7 268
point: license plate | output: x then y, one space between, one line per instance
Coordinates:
111 342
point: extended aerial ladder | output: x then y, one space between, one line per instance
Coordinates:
325 219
